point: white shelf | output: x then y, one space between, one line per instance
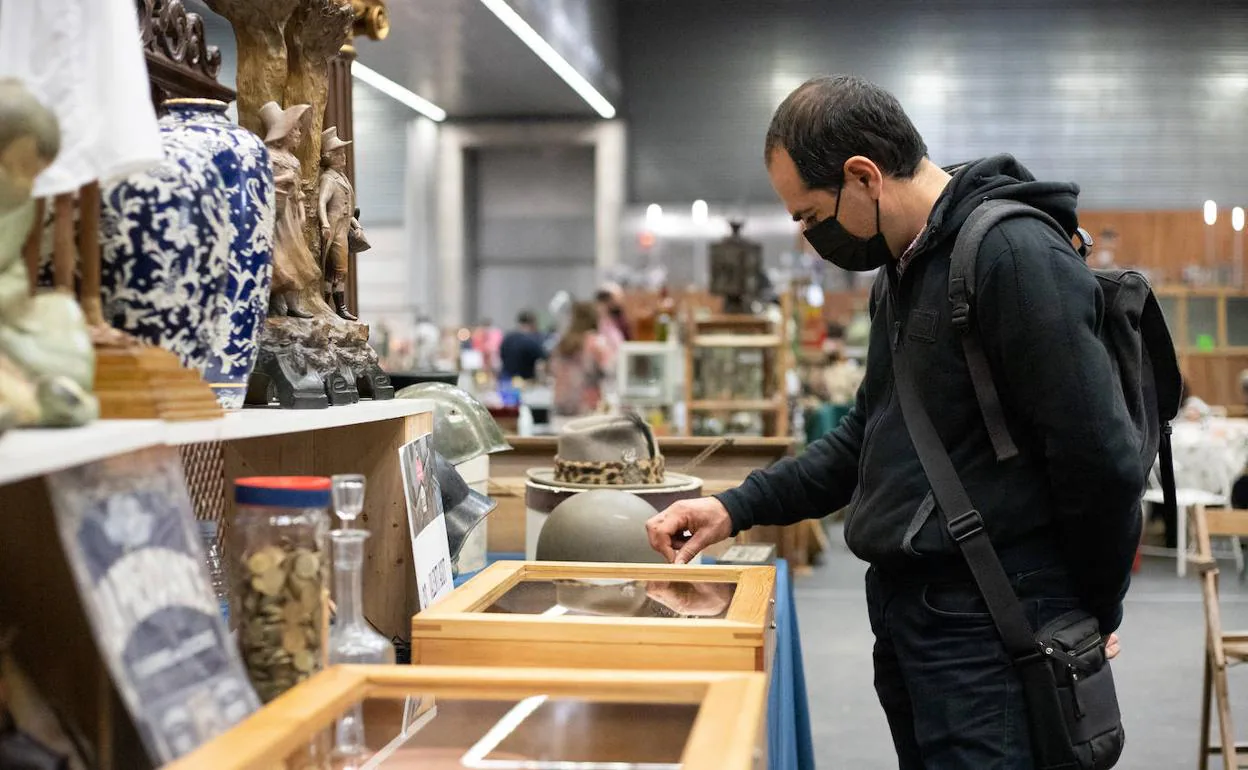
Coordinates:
30 453
736 340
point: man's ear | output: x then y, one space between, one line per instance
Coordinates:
861 170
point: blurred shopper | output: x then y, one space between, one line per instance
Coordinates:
1063 513
580 362
612 323
486 340
521 349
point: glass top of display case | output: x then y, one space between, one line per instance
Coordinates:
616 598
533 733
484 718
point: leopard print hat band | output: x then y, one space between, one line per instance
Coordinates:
607 473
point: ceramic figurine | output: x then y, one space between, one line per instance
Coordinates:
335 206
46 360
294 268
243 161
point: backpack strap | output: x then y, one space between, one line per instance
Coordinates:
983 218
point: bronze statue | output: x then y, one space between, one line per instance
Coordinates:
47 363
335 207
294 268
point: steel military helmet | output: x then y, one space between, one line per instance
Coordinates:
607 525
462 426
463 506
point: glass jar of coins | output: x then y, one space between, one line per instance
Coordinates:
278 569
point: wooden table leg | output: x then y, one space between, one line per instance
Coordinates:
32 247
63 252
89 253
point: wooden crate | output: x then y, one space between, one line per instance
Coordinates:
710 721
546 622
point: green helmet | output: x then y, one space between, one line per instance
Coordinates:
462 426
601 525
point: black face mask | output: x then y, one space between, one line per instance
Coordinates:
849 252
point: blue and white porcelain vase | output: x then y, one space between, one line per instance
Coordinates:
243 161
165 237
198 132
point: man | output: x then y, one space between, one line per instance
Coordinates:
1063 515
336 212
522 348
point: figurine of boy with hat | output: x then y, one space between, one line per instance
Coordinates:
336 205
294 268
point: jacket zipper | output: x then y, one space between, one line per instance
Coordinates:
894 341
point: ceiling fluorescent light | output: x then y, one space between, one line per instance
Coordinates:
397 92
546 53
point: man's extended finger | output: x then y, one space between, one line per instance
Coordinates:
693 547
659 530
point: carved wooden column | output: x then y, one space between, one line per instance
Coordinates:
338 112
372 21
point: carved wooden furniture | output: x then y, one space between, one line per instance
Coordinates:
442 717
646 617
180 62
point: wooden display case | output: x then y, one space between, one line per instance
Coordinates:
430 717
583 615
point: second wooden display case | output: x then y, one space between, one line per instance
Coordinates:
436 718
620 616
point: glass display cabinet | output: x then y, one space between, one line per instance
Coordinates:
588 615
446 718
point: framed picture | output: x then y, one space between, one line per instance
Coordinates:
431 555
128 528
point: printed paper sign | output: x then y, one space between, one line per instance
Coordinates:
431 555
128 529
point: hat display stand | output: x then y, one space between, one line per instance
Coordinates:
617 452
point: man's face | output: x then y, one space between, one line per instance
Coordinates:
21 163
808 207
295 136
338 159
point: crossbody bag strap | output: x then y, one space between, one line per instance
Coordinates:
964 523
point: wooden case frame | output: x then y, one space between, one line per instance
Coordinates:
456 632
725 735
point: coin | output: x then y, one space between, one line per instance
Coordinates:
304 661
293 641
307 565
261 562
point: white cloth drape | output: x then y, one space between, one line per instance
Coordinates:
84 60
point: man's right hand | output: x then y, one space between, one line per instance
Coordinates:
705 518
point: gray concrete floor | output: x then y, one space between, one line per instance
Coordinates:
1158 673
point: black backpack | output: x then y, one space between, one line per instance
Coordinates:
1072 704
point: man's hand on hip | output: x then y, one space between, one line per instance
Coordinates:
705 519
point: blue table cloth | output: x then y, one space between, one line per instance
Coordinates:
789 742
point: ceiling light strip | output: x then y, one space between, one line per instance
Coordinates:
508 16
397 92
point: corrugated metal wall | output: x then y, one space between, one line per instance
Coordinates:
1144 103
530 227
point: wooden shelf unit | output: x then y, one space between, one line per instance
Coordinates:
1211 373
38 595
722 330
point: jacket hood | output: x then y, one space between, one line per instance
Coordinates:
1000 177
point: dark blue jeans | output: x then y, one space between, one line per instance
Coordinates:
951 695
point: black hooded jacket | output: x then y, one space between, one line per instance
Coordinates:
1072 494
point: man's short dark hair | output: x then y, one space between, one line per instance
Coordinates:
526 318
828 120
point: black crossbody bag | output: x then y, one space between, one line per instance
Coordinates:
1072 706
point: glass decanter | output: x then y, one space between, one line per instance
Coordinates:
348 494
352 640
